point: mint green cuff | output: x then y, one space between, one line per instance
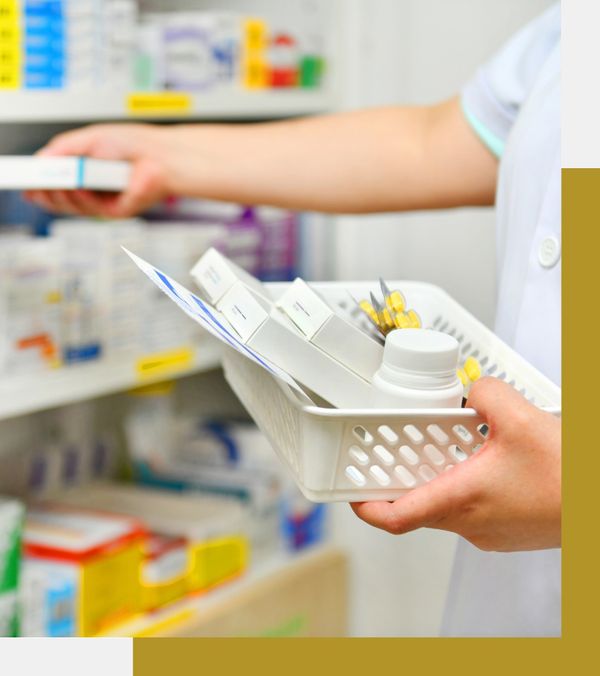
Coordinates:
495 144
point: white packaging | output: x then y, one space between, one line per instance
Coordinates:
173 247
418 371
48 598
270 333
215 275
30 302
340 339
62 173
107 308
189 62
196 517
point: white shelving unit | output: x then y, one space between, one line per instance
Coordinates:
98 105
36 392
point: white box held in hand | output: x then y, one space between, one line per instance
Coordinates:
63 173
270 333
340 339
215 275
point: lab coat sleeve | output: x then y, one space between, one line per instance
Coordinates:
491 100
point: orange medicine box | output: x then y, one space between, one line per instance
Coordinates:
101 553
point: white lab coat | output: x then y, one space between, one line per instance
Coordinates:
513 104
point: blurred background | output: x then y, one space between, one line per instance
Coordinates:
154 506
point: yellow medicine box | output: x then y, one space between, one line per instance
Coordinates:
99 553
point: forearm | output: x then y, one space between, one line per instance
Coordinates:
390 159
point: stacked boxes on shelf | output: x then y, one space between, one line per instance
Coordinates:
68 43
74 44
11 518
50 451
108 552
75 296
30 294
262 240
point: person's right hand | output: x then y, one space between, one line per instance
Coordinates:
141 144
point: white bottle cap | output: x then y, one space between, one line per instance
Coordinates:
421 351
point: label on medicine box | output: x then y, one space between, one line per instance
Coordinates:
271 334
319 322
244 311
215 274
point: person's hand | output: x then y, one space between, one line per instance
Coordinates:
143 145
506 497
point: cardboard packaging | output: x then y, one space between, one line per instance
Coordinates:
326 329
215 275
81 570
270 333
62 173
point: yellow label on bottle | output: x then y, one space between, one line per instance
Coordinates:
10 79
165 363
255 73
159 103
9 11
10 45
255 35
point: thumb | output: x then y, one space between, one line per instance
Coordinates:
493 399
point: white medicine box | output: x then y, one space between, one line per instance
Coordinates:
326 329
215 275
270 333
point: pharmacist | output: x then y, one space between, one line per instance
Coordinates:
496 142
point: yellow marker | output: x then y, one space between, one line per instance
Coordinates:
473 369
393 299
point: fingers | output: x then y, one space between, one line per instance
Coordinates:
146 187
77 142
426 506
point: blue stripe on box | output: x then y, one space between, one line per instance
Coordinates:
80 172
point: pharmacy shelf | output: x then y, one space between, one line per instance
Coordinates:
179 618
21 395
70 106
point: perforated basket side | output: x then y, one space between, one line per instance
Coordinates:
272 411
309 445
382 457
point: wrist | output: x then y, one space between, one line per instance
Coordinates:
181 155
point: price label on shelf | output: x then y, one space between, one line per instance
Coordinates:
159 103
165 363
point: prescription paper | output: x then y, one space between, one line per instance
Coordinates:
209 318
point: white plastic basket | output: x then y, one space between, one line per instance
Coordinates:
376 454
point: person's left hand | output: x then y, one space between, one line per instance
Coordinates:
506 497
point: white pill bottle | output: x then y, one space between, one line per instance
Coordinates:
418 371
